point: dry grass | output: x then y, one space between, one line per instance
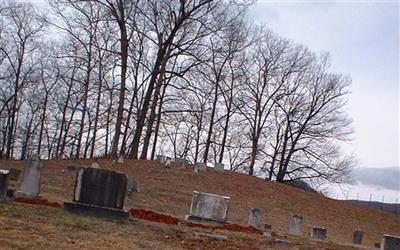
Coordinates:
169 190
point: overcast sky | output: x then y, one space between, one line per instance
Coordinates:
363 40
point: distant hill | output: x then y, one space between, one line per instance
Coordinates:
387 207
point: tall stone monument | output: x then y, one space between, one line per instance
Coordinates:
209 207
255 218
30 186
4 175
295 225
99 193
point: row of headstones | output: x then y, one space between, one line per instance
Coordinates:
210 207
99 192
181 163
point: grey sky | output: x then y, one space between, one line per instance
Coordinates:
363 39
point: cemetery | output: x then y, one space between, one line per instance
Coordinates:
201 207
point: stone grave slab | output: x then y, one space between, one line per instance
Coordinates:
30 186
132 187
295 225
99 193
357 237
4 176
200 166
207 207
255 218
318 233
390 242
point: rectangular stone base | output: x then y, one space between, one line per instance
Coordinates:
204 220
96 211
26 195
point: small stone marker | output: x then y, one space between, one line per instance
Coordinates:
219 166
168 162
180 163
4 175
99 193
133 186
318 233
160 158
255 218
357 237
295 225
30 186
267 231
390 242
95 165
200 166
209 207
120 159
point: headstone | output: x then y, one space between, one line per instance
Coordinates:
99 193
168 162
133 186
30 186
161 158
200 166
357 237
390 242
209 207
4 175
180 163
120 159
267 231
318 233
219 166
14 174
295 225
95 165
255 218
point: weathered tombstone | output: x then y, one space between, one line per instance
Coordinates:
357 237
133 186
120 159
318 233
390 242
30 186
99 193
180 163
267 230
255 218
168 162
295 225
219 166
209 207
95 165
14 174
200 166
160 158
4 175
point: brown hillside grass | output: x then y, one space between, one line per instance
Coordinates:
169 191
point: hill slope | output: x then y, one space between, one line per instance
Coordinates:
169 190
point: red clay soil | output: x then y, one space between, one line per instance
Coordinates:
156 217
37 201
153 216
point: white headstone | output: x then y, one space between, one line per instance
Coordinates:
209 207
95 165
295 225
120 159
200 166
255 218
30 186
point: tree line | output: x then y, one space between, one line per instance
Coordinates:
193 79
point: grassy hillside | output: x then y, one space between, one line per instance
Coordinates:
169 191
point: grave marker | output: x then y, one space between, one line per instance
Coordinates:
209 207
318 233
295 225
4 176
390 242
255 218
99 193
219 166
200 166
30 186
357 237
